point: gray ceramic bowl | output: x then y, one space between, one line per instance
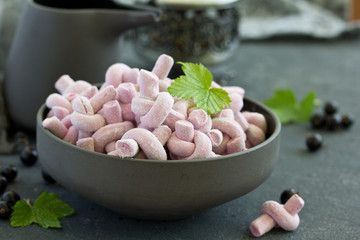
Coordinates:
154 189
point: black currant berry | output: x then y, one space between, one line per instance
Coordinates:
287 194
314 142
331 107
3 184
347 120
317 121
47 177
5 210
9 173
333 122
28 156
10 197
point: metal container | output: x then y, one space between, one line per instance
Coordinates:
195 31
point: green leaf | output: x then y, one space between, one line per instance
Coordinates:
285 105
22 214
195 84
46 212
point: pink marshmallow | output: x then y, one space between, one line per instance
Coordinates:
215 136
86 143
198 118
163 66
105 95
84 134
60 112
237 102
114 74
234 89
77 87
70 96
126 92
184 130
109 133
172 118
67 121
71 135
87 123
127 148
226 113
131 75
56 99
143 137
202 146
127 113
182 107
149 84
82 105
90 92
63 83
257 119
206 127
236 145
55 126
274 214
164 84
158 113
228 126
255 135
162 133
239 117
222 148
141 106
179 147
112 112
111 146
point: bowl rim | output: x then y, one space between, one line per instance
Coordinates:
274 135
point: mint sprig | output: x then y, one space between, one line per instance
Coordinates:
46 212
195 84
288 109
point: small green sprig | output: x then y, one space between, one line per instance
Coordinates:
288 109
196 85
46 212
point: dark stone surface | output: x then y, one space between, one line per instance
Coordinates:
328 180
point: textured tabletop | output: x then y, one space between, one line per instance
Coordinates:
328 179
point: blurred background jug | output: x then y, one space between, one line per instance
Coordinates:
57 37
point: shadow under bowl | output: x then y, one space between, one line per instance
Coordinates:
155 189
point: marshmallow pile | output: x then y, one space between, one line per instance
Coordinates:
132 115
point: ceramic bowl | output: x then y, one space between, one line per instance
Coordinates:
155 189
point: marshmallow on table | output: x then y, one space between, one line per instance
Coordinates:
274 214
